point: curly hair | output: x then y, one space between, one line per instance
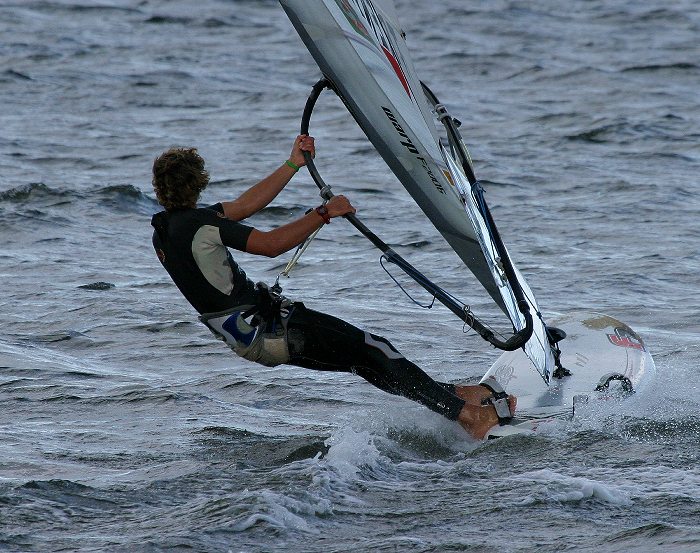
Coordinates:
179 177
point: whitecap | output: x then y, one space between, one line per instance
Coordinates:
551 486
281 511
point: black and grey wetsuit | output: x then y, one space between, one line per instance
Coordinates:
192 246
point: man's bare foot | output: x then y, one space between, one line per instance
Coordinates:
472 394
478 419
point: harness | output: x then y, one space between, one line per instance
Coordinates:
255 332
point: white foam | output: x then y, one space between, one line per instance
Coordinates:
359 454
561 488
349 450
281 511
671 401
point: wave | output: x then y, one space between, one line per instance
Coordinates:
621 132
169 20
34 191
127 197
680 66
658 15
34 198
80 8
100 285
137 393
279 511
548 486
208 22
686 429
665 537
12 75
258 450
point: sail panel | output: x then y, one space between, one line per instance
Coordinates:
367 61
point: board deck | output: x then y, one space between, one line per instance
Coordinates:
598 350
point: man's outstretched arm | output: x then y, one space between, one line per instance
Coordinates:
261 194
275 242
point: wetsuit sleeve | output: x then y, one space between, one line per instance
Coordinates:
233 234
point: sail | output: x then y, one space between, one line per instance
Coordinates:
360 48
537 347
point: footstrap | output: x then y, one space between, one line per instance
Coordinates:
499 399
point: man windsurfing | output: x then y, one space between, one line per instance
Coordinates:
192 244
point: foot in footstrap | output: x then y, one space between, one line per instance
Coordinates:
499 399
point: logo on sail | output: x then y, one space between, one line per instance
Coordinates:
382 33
408 144
353 18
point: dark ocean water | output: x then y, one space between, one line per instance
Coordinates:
125 427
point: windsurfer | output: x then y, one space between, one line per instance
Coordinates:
264 327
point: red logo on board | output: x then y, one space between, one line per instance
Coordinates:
626 339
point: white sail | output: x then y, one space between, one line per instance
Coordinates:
360 48
537 347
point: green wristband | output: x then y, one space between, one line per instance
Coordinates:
292 165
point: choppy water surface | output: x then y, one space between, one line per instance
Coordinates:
125 427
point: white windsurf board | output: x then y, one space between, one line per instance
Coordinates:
604 356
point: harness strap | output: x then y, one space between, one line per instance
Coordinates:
252 311
499 399
269 306
263 340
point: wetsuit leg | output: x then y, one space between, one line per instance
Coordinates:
322 342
